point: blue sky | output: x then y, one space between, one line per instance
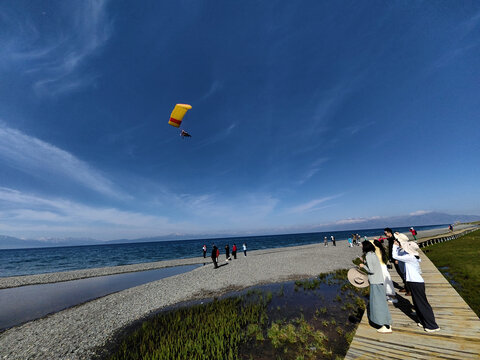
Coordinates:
304 114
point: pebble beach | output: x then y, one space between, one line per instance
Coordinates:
78 332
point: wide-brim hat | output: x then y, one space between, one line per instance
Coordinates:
401 237
411 247
357 278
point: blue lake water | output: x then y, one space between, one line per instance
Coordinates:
55 259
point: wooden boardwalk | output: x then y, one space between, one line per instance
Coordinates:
459 337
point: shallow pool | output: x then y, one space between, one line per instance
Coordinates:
26 303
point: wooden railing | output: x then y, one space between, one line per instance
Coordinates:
444 237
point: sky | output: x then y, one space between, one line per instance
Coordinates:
304 114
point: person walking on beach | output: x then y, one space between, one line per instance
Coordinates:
227 252
234 251
214 256
378 307
325 241
333 240
218 254
450 227
407 251
398 265
244 249
204 251
414 233
350 241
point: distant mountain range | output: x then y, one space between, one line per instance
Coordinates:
427 218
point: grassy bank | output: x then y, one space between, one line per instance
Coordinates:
311 319
459 262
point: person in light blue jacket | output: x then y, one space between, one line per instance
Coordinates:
378 307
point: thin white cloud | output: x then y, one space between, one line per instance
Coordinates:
241 209
220 136
30 215
53 59
33 214
463 43
354 129
312 170
419 212
41 159
216 86
312 205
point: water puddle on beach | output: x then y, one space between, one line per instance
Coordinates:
309 319
26 303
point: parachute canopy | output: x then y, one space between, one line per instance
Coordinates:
178 113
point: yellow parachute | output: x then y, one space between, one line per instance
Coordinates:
178 113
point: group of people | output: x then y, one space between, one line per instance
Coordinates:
332 238
354 239
404 256
216 253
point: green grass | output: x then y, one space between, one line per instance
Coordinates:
300 338
253 325
459 260
210 331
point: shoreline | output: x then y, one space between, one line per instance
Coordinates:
55 277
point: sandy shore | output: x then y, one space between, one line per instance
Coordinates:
75 333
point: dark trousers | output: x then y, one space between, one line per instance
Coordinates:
215 262
401 274
245 252
421 305
204 254
234 253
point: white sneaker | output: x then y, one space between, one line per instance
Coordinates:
419 325
385 330
432 330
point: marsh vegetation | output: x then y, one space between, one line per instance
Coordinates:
309 319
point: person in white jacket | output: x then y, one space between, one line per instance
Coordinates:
407 251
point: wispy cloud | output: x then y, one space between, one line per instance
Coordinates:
419 212
312 170
53 58
33 214
41 159
356 128
312 205
216 86
463 42
219 136
251 208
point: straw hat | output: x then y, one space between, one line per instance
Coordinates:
410 247
401 237
357 278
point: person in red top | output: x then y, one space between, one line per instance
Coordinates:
218 254
414 233
234 251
